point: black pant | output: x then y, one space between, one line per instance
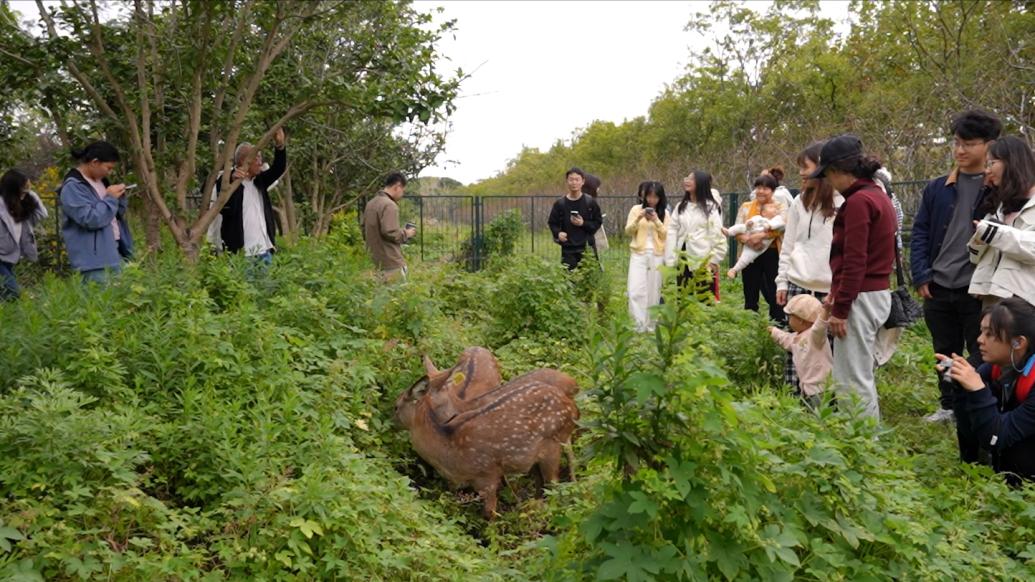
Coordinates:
572 256
760 276
954 318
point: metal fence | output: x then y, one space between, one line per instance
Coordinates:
455 228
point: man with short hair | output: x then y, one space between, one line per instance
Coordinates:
938 255
574 219
248 220
381 230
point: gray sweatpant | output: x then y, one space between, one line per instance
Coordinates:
854 362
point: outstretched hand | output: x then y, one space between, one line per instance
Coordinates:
279 137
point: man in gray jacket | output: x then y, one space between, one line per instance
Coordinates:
381 230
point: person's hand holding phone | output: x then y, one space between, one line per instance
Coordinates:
576 218
116 190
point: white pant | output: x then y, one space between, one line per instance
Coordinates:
644 287
854 359
748 255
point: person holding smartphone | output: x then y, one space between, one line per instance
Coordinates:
574 219
95 230
647 226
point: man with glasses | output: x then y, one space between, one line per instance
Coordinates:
939 259
248 219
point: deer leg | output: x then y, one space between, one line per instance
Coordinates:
488 489
570 453
549 462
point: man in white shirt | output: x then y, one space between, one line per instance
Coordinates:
248 220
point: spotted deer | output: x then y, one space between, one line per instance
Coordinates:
477 372
506 430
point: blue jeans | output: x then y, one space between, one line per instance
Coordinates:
9 290
100 276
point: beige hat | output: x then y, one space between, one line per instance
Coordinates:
806 307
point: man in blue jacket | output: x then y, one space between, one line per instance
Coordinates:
939 259
95 229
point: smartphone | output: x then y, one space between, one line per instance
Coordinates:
130 186
575 213
410 225
649 210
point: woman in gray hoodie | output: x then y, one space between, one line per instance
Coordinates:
20 210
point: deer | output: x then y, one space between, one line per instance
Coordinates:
476 373
508 429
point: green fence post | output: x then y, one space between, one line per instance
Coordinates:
731 256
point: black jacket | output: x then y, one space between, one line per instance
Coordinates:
560 220
1002 423
232 230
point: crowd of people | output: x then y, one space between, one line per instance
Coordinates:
821 260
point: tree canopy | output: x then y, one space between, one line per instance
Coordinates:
772 82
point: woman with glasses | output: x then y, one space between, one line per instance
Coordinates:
1003 245
20 210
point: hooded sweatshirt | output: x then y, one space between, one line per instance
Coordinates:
804 256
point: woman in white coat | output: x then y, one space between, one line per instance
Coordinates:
1003 245
647 226
695 232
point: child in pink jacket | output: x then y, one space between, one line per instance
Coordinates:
808 344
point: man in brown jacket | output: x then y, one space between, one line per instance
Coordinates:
381 230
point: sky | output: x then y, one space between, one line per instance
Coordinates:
542 70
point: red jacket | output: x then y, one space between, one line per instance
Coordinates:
862 253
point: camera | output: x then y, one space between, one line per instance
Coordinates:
945 366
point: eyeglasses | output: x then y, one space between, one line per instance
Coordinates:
990 163
967 145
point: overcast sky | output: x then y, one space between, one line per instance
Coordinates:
541 70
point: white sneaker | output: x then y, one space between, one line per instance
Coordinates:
941 415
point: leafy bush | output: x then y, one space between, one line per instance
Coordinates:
502 234
708 486
534 297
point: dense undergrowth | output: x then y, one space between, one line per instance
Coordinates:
210 422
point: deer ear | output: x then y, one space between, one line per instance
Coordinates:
419 388
429 367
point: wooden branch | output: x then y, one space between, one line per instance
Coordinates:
229 185
217 103
73 69
186 171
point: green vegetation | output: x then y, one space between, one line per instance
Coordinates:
206 422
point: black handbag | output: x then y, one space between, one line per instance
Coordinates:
905 310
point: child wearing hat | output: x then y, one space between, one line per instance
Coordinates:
807 343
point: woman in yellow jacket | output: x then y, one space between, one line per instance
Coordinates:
647 225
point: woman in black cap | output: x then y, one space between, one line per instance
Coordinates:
862 255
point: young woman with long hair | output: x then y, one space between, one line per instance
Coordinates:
20 210
695 233
998 401
647 226
1003 245
807 235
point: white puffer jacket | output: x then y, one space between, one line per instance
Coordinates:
1005 255
701 233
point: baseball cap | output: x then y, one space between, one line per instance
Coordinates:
836 149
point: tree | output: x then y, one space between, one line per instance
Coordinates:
182 83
